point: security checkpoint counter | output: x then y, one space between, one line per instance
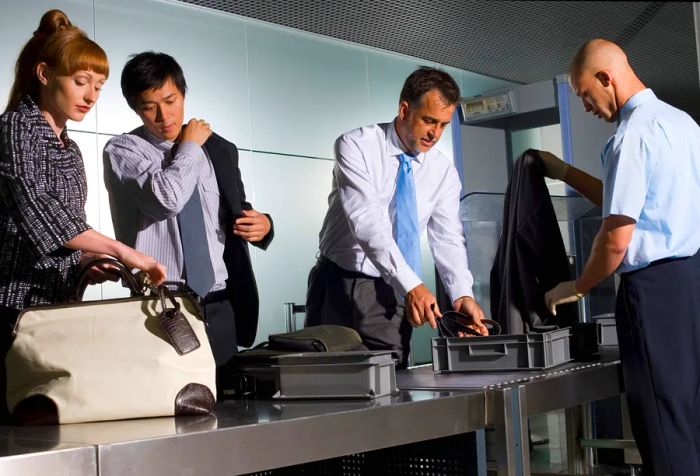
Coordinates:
242 436
512 397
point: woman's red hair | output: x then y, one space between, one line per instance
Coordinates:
63 47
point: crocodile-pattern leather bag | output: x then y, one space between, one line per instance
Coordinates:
143 356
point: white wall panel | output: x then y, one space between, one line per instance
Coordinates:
386 74
209 46
87 142
305 91
589 137
20 19
295 192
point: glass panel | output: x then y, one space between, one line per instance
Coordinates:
294 191
386 75
305 91
523 140
209 46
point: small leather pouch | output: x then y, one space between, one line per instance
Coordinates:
325 338
176 325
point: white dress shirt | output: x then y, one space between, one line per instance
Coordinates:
357 231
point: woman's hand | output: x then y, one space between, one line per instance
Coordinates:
99 273
153 269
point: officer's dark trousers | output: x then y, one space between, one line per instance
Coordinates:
658 326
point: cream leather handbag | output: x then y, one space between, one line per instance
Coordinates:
109 360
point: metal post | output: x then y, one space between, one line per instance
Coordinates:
579 459
289 316
510 425
290 313
481 462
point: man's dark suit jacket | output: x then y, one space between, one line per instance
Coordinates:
241 280
531 258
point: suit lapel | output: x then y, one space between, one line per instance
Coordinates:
225 174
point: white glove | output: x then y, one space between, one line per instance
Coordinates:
554 167
562 293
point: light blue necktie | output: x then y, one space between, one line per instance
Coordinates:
406 217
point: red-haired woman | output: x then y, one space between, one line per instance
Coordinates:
43 233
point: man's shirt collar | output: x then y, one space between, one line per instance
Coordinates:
394 146
638 99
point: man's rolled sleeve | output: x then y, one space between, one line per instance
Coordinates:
135 168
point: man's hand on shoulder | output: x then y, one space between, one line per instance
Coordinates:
421 307
253 226
197 131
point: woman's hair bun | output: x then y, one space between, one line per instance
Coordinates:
51 22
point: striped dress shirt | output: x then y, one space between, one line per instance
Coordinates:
148 185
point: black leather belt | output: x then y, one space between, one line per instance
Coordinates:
342 272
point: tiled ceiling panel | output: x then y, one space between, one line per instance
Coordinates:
516 41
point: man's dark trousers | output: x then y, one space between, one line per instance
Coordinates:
367 304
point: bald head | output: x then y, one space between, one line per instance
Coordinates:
603 78
599 55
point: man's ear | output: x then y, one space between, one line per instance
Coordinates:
43 72
604 78
403 109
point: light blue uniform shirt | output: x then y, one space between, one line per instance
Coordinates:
651 173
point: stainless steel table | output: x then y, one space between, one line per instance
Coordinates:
512 397
248 435
27 456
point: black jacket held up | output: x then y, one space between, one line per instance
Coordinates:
531 258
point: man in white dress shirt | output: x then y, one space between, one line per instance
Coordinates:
366 278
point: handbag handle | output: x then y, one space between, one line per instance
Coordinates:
453 322
120 269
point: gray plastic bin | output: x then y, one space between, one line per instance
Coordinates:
506 352
357 374
608 331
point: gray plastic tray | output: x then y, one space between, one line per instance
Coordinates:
607 335
506 352
357 374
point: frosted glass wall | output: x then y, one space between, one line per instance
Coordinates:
281 95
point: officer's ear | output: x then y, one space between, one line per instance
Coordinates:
604 78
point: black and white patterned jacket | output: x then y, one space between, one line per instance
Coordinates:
43 191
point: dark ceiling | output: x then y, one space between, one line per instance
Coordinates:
522 42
